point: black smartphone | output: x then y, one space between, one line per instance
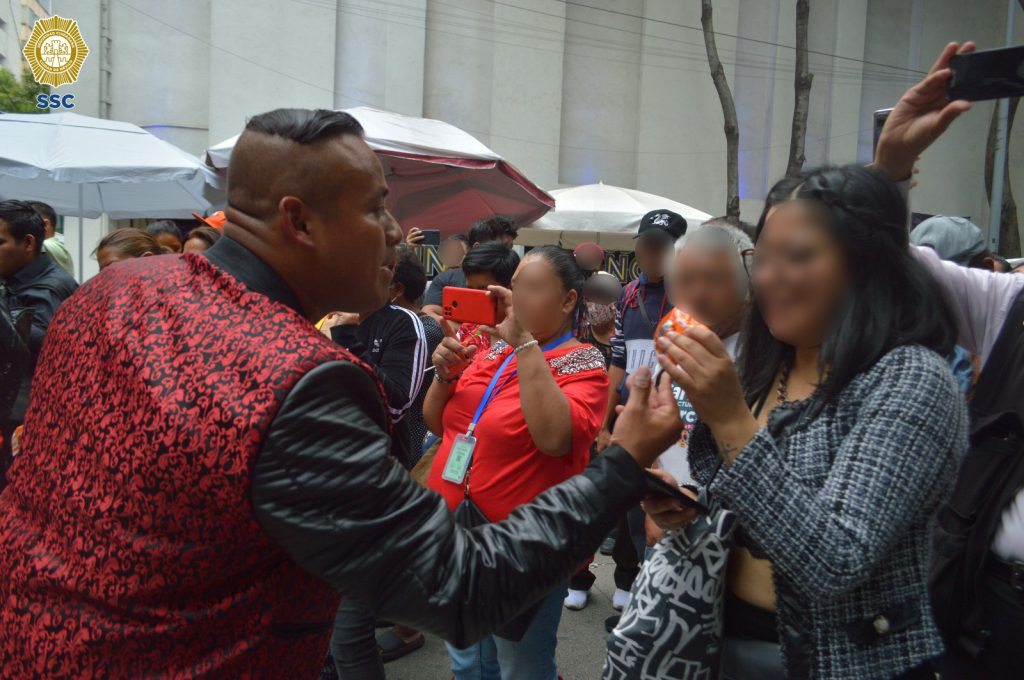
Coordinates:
656 486
990 74
431 237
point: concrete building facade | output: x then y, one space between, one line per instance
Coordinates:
604 90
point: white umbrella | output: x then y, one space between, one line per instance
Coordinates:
607 208
89 166
440 177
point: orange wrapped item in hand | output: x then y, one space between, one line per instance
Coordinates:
677 320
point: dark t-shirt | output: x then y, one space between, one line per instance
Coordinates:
449 277
606 350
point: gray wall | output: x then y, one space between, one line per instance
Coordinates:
567 93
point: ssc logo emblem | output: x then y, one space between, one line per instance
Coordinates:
55 51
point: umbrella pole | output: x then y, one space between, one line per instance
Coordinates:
81 238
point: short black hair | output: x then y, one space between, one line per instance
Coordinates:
45 211
496 259
304 126
23 220
409 272
492 229
462 238
204 233
164 227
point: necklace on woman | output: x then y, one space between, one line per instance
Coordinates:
783 390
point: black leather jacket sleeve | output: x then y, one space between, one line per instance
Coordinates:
326 490
14 358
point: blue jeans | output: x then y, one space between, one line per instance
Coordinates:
532 658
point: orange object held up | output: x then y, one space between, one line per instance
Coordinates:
677 320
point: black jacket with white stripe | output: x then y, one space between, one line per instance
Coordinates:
393 342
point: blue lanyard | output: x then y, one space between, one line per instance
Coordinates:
491 392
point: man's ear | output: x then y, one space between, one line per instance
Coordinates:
989 264
30 243
294 216
146 255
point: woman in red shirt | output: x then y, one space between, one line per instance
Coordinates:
545 407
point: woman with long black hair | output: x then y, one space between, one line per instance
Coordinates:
837 437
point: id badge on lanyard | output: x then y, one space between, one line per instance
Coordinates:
460 457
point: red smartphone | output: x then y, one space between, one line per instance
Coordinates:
466 305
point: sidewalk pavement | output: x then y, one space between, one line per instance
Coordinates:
581 638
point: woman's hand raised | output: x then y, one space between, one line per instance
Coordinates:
698 362
509 329
451 357
649 423
920 116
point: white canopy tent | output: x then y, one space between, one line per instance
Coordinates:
392 132
603 213
86 167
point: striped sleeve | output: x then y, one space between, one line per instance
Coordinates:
403 362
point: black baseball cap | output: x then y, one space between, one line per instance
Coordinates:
663 224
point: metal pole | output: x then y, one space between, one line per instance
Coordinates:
995 215
81 237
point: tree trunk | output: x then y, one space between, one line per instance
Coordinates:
802 86
732 128
1009 235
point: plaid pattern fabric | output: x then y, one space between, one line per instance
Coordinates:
842 504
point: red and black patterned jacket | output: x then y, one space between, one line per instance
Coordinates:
202 472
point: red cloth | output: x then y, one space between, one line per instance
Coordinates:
128 546
470 335
508 469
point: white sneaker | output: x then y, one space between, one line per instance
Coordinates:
576 599
619 599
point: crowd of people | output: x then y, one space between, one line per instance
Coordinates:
261 449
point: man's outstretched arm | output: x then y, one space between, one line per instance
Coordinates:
326 490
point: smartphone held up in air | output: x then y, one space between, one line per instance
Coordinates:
431 237
989 74
466 305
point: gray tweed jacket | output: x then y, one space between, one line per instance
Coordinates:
841 504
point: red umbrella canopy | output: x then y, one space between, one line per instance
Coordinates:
440 177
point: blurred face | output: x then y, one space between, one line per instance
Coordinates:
705 284
589 259
195 245
169 241
108 256
650 254
798 274
14 255
541 305
452 253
